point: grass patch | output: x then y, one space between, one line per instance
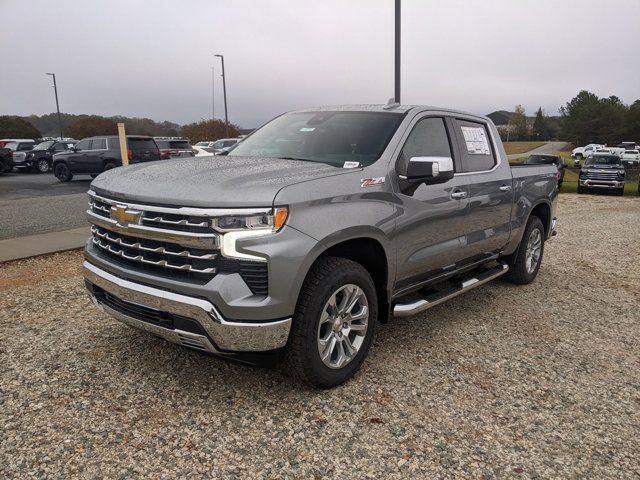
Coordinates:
520 147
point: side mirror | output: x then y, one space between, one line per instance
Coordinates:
429 170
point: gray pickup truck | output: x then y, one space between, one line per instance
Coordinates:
316 227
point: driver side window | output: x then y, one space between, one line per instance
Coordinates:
427 139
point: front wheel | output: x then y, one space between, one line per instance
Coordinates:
525 262
581 189
620 192
333 324
42 166
62 172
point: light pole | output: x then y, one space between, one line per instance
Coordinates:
55 89
213 95
397 54
224 92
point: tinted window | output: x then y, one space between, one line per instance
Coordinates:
475 146
141 144
59 147
427 139
218 144
99 144
602 160
543 160
179 145
83 144
25 146
229 143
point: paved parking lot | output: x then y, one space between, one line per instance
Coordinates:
537 381
39 203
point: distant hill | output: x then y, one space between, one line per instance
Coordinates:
502 117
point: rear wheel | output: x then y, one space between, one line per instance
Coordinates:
108 166
525 262
62 172
333 324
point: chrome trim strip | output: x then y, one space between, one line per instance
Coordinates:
186 239
161 250
226 335
412 308
186 211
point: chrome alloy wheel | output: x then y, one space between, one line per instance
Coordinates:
42 166
534 248
343 326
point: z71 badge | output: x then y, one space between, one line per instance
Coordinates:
371 182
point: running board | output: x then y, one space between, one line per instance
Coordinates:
411 308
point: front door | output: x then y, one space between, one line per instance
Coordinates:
77 158
432 218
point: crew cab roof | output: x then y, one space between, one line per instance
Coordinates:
387 108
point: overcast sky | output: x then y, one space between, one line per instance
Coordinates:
154 59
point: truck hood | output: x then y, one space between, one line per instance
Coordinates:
213 182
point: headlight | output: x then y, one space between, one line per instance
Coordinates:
268 221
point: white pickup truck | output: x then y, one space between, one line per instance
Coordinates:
583 152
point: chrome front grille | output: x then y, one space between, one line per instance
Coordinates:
602 175
167 241
154 253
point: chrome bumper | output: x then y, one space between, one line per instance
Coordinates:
222 336
594 183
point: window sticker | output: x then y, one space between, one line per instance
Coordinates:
476 140
351 164
307 129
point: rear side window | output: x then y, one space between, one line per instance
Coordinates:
99 144
427 139
476 152
59 147
141 144
179 144
83 145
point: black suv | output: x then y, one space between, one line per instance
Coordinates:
94 155
174 147
40 159
549 160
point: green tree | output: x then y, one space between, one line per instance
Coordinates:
579 119
541 126
16 127
90 126
518 127
632 123
208 130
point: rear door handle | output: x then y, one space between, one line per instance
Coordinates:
459 195
505 188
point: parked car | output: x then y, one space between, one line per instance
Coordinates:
549 160
602 171
328 221
4 141
203 151
174 148
40 158
6 160
19 151
224 144
583 152
93 155
631 158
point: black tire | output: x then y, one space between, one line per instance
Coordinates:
42 166
62 172
302 359
579 156
518 272
108 166
620 192
581 189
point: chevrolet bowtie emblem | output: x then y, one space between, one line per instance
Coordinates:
124 216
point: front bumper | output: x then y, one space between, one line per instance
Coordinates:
593 183
189 321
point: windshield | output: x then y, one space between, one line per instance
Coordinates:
603 160
44 145
326 137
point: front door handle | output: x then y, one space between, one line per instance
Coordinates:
459 195
505 188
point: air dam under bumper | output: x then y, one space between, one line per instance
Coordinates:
130 301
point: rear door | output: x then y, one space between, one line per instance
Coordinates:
488 181
432 224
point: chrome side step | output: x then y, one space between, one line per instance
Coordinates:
411 308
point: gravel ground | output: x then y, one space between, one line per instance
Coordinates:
506 381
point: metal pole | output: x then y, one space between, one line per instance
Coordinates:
224 91
213 95
397 54
55 89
